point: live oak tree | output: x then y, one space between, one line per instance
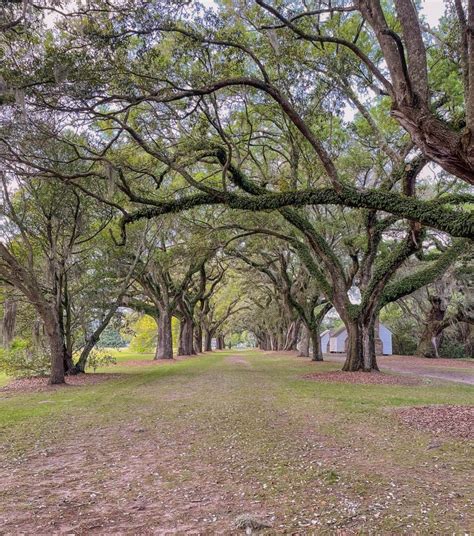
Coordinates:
300 292
399 64
149 85
435 308
169 280
41 242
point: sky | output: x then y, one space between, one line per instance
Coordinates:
432 9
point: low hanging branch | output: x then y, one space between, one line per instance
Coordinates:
429 213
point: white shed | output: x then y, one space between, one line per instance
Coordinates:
338 340
325 341
385 335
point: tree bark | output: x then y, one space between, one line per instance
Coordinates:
354 357
164 345
9 321
198 338
57 348
360 354
186 339
368 345
220 342
316 354
292 336
304 343
431 336
429 343
208 340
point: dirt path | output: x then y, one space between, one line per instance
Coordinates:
187 451
459 371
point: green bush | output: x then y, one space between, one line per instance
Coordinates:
452 349
97 359
21 361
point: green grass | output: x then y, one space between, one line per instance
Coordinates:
123 354
347 397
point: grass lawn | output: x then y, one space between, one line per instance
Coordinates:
186 447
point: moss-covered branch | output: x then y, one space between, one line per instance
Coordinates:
429 213
420 278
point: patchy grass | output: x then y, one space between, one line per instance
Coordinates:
123 354
191 445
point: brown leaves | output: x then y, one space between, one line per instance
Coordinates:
455 421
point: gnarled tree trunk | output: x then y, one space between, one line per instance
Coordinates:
198 338
292 336
186 338
304 343
164 344
360 345
354 357
208 340
316 353
431 336
368 345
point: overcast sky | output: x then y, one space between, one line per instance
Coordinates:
432 9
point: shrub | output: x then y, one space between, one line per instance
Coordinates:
452 349
97 359
21 361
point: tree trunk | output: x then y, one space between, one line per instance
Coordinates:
69 367
368 345
360 354
354 357
9 321
94 338
82 362
208 340
198 338
304 343
316 353
429 343
186 339
430 339
57 348
292 336
164 345
220 342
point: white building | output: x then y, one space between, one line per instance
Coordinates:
336 341
325 341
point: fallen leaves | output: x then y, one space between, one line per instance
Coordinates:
368 378
39 384
455 421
